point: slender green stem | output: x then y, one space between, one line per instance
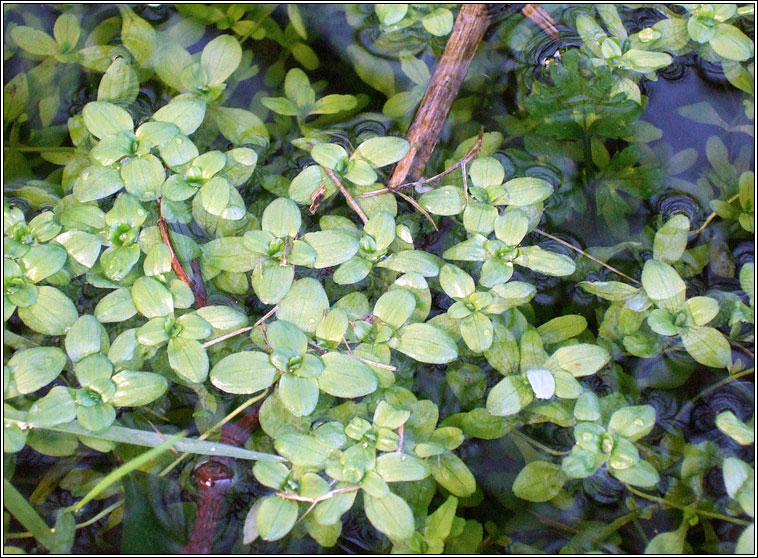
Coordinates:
215 427
713 215
94 519
704 513
539 445
23 511
583 253
27 149
124 470
714 387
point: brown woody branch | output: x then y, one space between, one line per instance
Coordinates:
197 285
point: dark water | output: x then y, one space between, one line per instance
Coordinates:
495 87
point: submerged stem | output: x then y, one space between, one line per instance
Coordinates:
583 253
704 513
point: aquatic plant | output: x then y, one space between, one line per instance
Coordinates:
197 224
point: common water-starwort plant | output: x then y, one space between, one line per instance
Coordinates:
547 348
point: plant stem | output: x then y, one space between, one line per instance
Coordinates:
539 445
38 149
714 387
459 165
327 496
226 336
713 215
197 289
704 513
351 202
583 253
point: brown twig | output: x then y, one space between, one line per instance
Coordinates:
424 132
713 215
583 253
226 336
351 202
197 286
459 165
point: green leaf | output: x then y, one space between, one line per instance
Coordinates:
642 474
580 360
215 195
543 261
220 58
632 422
42 261
428 344
37 367
703 309
304 305
281 218
609 290
332 247
332 104
706 345
671 542
382 151
104 119
438 22
746 542
446 200
511 226
34 41
352 271
57 407
389 14
276 517
298 88
151 298
646 61
479 217
298 395
476 330
509 396
663 285
345 376
671 239
188 359
84 337
412 261
731 43
453 474
143 177
241 126
390 515
527 191
395 307
185 111
302 450
243 372
229 254
119 85
137 35
539 481
562 328
486 171
117 306
272 281
455 282
733 427
51 314
373 70
280 105
134 389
